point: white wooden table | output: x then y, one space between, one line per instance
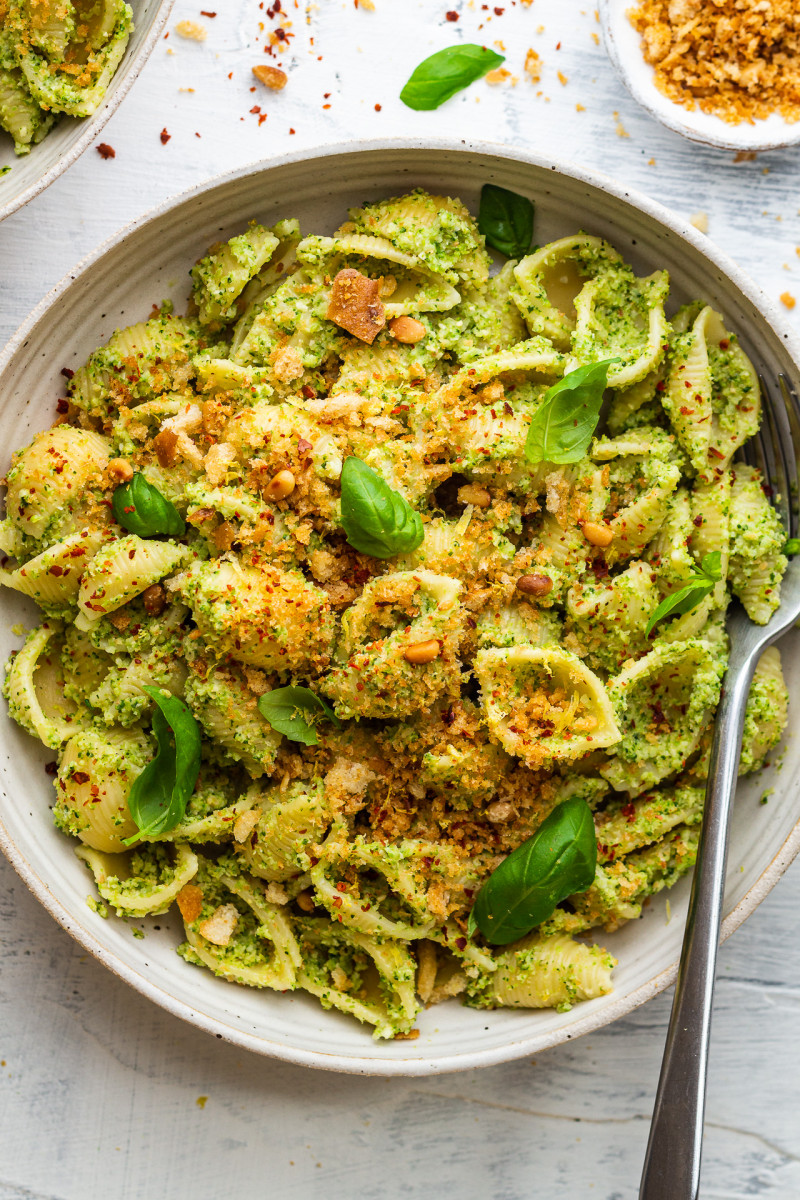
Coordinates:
105 1097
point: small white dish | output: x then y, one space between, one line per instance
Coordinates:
31 173
623 44
147 262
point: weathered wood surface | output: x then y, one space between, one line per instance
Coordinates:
99 1089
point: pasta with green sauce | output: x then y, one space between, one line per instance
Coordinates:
300 533
56 56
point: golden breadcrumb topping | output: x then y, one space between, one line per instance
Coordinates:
735 59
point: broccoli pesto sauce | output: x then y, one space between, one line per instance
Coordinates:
349 590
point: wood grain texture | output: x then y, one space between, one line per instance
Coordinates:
99 1089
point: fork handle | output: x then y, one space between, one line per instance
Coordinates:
672 1161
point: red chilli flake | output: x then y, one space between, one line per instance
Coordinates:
106 151
50 768
452 15
203 13
164 136
629 811
67 373
461 943
378 107
62 406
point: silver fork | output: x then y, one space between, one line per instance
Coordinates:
672 1161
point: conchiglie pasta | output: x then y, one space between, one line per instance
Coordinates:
53 577
259 614
34 688
95 775
380 674
663 702
766 713
143 882
552 972
124 570
288 825
49 478
543 704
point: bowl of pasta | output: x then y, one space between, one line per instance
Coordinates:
66 67
365 599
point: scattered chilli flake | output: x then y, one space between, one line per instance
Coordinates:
106 151
164 136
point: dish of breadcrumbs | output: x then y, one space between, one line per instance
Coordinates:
738 60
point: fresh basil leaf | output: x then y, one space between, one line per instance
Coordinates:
140 508
447 72
711 566
157 801
680 602
692 593
506 220
563 424
376 519
559 860
293 712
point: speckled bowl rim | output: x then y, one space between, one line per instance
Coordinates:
123 80
612 1008
675 116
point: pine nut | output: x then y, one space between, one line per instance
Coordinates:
120 470
305 900
500 811
154 599
471 493
272 77
597 535
407 330
535 585
281 486
422 652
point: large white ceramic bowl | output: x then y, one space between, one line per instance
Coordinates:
623 44
148 262
67 140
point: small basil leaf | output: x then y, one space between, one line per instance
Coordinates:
680 602
559 860
293 712
563 424
447 72
692 593
506 220
157 801
711 565
376 520
140 508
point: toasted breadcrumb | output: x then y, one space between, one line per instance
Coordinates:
220 927
190 901
788 299
700 221
738 60
621 131
193 30
533 66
